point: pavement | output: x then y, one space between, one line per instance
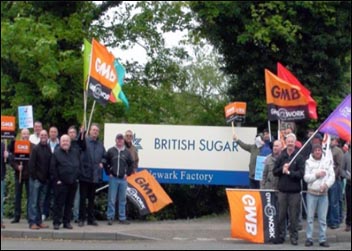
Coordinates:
216 228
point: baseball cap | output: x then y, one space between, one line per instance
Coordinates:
119 136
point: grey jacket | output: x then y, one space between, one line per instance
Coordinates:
346 167
254 151
269 181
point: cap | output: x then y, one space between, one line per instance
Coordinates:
119 136
334 137
318 136
315 146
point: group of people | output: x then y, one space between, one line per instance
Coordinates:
316 172
62 174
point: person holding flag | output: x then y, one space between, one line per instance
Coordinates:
290 174
319 175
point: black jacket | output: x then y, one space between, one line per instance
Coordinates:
39 162
91 158
118 163
289 183
65 166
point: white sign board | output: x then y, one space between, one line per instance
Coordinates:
189 154
25 116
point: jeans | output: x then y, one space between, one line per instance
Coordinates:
18 196
117 187
3 183
76 205
334 193
348 203
48 205
321 204
37 193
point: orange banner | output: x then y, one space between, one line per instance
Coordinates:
282 93
8 126
253 214
146 192
102 65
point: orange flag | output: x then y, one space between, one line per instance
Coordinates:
285 101
254 214
146 193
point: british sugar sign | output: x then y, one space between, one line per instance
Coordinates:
189 154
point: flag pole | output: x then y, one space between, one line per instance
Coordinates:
91 114
301 149
233 128
269 129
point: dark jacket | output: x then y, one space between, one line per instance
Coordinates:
79 143
15 163
92 157
118 163
3 164
289 183
39 162
65 166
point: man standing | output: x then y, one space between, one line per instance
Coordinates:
254 150
119 165
132 149
319 175
289 187
91 175
79 143
4 156
270 181
346 170
54 143
35 137
64 169
21 177
334 217
39 165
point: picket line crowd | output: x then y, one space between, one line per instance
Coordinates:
316 175
61 176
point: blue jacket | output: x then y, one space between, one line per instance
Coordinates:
92 156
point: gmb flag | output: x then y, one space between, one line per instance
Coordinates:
146 193
105 76
285 101
254 214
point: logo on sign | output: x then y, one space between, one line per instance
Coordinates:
132 193
285 94
284 114
137 142
251 214
270 213
98 92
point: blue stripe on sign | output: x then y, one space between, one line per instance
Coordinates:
199 177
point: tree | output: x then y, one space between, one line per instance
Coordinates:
311 38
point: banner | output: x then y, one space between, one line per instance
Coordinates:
25 116
286 75
339 121
22 149
105 76
254 214
146 193
200 155
259 167
8 127
285 101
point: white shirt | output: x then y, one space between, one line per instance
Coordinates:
34 139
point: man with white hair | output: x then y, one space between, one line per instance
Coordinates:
64 169
289 186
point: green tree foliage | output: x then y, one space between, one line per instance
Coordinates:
313 39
